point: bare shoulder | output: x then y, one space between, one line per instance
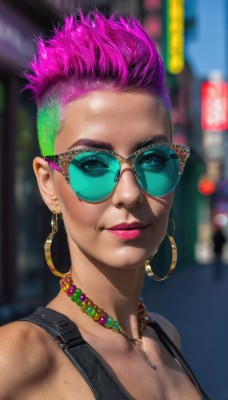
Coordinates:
25 356
168 327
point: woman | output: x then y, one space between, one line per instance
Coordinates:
109 170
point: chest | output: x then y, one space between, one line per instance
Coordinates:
109 367
131 376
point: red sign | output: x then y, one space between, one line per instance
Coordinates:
214 106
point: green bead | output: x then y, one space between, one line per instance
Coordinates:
89 310
115 327
78 302
74 297
92 313
78 292
109 322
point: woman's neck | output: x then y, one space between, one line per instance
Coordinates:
115 290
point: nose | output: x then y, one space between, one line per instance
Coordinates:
127 192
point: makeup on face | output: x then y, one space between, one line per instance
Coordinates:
97 144
128 231
107 123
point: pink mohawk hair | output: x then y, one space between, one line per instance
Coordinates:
93 50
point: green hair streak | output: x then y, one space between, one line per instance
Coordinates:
48 125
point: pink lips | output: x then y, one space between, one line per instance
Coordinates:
127 231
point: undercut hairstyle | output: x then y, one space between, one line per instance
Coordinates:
88 53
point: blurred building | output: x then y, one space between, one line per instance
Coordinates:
24 220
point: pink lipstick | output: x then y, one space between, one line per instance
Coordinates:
127 231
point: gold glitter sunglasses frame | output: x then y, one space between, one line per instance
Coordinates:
61 162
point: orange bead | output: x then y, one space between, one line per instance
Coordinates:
97 317
66 287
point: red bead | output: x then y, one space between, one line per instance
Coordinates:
71 290
102 321
103 318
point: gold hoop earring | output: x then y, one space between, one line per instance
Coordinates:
148 268
48 243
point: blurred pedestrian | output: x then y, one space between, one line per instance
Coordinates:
219 241
109 169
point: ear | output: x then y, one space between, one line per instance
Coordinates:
45 183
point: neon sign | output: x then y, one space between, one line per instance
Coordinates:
175 36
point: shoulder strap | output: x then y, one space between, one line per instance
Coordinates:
175 352
83 357
102 384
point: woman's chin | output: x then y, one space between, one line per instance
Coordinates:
129 261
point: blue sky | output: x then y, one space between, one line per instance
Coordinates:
206 51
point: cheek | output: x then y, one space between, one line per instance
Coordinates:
160 209
76 213
83 222
161 206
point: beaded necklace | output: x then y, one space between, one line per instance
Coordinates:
99 315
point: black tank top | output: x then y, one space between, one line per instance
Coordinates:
88 362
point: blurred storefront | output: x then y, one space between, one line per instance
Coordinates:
214 121
180 25
24 282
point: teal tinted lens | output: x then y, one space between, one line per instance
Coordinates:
93 175
158 170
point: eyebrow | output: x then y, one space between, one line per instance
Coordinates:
152 140
94 144
98 144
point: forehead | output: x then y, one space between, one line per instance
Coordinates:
119 118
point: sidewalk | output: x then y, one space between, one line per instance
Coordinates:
195 300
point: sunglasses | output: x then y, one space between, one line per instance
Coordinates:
93 173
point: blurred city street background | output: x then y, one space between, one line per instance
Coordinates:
192 36
195 301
